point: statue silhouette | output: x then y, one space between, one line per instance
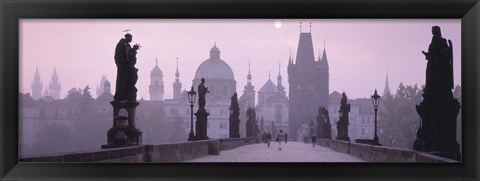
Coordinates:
202 91
439 73
125 59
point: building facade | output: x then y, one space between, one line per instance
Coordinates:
308 85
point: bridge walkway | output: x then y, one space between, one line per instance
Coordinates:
291 152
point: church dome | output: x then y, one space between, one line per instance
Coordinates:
214 68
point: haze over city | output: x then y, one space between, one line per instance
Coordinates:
360 52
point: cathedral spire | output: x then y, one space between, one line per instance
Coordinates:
177 74
177 86
37 86
249 76
386 90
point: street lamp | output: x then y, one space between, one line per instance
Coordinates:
191 99
376 102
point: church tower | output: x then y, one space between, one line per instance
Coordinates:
308 85
280 88
177 86
249 91
55 87
37 86
386 90
156 83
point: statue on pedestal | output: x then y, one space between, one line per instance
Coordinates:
201 114
438 110
342 124
123 131
234 120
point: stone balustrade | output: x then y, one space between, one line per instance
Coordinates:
373 153
173 152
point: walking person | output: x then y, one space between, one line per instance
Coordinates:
268 138
286 138
314 139
280 139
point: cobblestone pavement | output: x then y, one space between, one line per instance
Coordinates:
291 152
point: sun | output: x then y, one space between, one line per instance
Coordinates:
278 24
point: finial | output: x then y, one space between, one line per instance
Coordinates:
324 43
279 67
215 44
269 74
248 66
310 27
126 31
156 61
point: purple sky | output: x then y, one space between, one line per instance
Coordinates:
359 51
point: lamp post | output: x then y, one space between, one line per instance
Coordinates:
376 102
191 99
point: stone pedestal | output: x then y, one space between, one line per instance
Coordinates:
201 125
234 127
342 130
327 132
123 132
437 131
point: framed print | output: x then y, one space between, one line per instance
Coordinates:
295 89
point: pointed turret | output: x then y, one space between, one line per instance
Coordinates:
386 90
177 86
55 86
324 61
37 86
280 88
249 90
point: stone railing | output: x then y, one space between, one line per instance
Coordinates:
373 153
174 152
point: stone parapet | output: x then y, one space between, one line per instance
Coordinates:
174 152
372 153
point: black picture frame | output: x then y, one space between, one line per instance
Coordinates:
11 11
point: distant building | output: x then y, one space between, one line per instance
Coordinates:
361 116
309 86
220 81
177 85
273 105
37 86
55 86
100 87
246 100
156 88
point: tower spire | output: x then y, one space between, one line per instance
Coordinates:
310 27
279 62
386 90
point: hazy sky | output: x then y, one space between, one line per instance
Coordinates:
359 51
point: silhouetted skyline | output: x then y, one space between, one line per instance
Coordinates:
359 51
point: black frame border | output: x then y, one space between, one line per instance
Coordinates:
11 11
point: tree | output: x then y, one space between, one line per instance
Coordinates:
398 119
